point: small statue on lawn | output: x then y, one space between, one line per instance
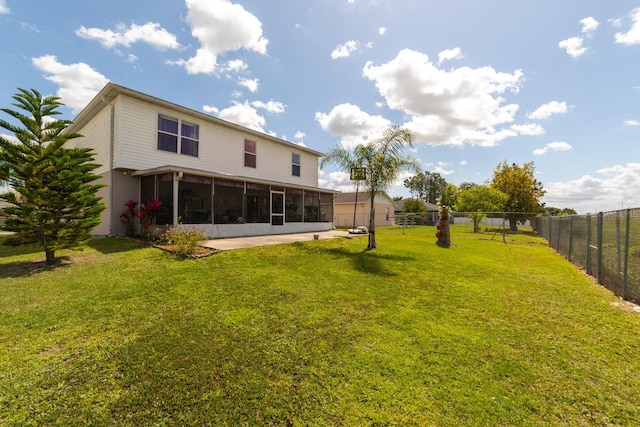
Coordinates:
444 238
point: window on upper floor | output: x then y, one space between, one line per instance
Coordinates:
295 164
250 153
176 136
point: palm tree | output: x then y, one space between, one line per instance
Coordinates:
383 160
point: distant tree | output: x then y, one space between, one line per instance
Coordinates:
479 199
53 201
450 195
523 189
417 186
427 186
397 198
551 211
414 206
568 211
383 160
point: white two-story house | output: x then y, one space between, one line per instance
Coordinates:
224 179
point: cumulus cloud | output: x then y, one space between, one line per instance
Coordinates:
530 129
150 33
3 7
616 186
632 36
246 113
447 55
382 31
573 46
547 110
632 122
270 106
351 124
458 106
77 83
344 50
243 114
251 84
553 146
589 25
220 26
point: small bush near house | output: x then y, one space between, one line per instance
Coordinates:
183 243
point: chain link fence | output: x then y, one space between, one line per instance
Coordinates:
606 245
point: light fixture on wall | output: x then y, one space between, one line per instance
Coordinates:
179 176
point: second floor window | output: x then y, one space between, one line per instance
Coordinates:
250 153
295 164
174 134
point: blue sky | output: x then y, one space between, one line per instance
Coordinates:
553 82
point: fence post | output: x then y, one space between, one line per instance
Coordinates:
599 244
626 255
588 261
570 237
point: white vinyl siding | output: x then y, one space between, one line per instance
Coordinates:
221 148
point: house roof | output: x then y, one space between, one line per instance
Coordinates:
112 90
429 206
363 196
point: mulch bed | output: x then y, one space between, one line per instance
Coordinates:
200 252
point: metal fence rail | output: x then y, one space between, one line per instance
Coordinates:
606 245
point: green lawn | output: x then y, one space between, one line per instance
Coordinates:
316 333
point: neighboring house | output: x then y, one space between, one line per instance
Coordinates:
431 215
224 179
346 205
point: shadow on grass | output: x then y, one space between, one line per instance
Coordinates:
111 245
20 269
368 261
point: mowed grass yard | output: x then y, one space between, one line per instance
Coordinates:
319 333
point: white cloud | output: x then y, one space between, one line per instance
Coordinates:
462 105
150 33
344 50
353 125
382 31
616 188
270 106
589 25
300 135
210 109
243 114
28 27
553 146
530 129
447 55
632 36
246 113
78 83
573 46
632 122
547 110
220 26
3 7
443 168
236 65
251 84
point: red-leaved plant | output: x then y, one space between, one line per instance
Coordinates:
148 211
128 215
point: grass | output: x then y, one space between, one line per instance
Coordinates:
315 333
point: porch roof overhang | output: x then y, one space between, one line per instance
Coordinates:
199 172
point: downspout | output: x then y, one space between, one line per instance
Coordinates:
111 161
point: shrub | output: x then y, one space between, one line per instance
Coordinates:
184 242
128 215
